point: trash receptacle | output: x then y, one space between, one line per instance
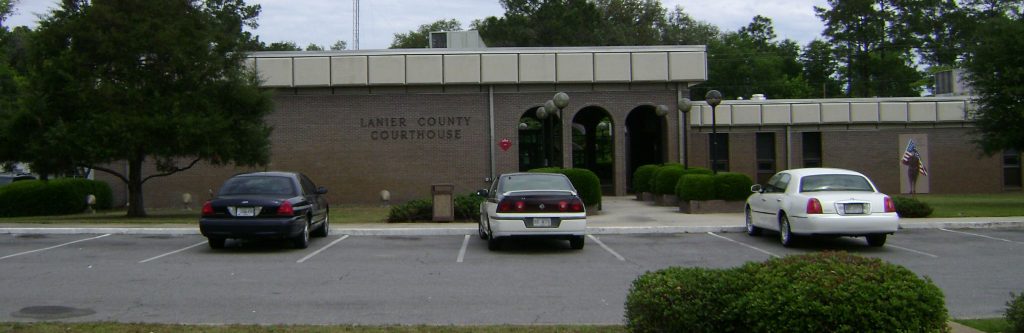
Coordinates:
444 208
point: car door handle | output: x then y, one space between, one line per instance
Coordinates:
778 200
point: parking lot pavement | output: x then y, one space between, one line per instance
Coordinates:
451 279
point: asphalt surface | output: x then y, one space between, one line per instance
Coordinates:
442 273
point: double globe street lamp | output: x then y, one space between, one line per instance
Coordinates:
552 107
713 98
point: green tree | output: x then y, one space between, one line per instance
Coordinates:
681 29
995 70
280 46
142 81
531 23
820 67
339 45
314 47
420 38
873 45
631 22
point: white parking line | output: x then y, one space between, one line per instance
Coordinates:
982 236
53 247
744 244
462 252
170 253
321 249
912 250
606 248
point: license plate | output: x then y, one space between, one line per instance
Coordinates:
854 209
245 211
541 222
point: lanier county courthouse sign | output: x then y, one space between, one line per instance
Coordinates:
414 129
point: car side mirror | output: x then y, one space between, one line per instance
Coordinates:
482 193
321 190
756 188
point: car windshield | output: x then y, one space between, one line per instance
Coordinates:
258 185
535 183
819 183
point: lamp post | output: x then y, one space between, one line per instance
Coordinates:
552 107
684 105
713 97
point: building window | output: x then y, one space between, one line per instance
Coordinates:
1011 169
812 149
720 147
765 157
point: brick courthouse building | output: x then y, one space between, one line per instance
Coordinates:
360 122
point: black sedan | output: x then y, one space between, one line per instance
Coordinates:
262 205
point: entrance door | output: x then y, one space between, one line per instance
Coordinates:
645 140
593 147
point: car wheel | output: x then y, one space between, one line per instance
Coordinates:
751 229
216 242
301 240
494 243
785 234
876 240
324 229
480 227
577 242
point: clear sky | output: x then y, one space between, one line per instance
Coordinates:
325 21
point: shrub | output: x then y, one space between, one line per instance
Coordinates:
911 208
840 292
642 178
1015 313
54 197
587 185
467 207
818 292
665 179
732 186
678 299
696 187
416 210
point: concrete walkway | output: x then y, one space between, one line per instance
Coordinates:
620 215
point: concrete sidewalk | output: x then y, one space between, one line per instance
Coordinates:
620 215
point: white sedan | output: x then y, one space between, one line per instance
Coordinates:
821 201
532 205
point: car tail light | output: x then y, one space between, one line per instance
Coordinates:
207 209
563 206
510 205
285 209
814 206
890 205
576 206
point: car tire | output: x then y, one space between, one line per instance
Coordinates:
480 227
324 229
786 236
752 230
494 243
876 240
216 242
577 242
301 241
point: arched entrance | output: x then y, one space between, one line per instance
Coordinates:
592 145
645 140
540 141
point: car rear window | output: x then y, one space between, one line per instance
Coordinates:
820 183
535 183
258 185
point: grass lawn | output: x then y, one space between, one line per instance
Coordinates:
162 328
339 215
991 325
975 205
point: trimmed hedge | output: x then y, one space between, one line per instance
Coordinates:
587 185
1015 313
911 208
665 179
732 186
696 187
642 178
818 292
467 207
55 197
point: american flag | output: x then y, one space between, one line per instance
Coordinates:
912 152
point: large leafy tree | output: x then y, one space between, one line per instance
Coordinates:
682 29
142 81
820 69
632 22
420 38
996 73
530 23
875 45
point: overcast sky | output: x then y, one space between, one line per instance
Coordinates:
325 21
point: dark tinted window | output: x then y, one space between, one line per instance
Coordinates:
258 185
719 145
765 156
812 149
1011 169
308 188
536 182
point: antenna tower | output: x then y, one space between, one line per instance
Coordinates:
355 24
